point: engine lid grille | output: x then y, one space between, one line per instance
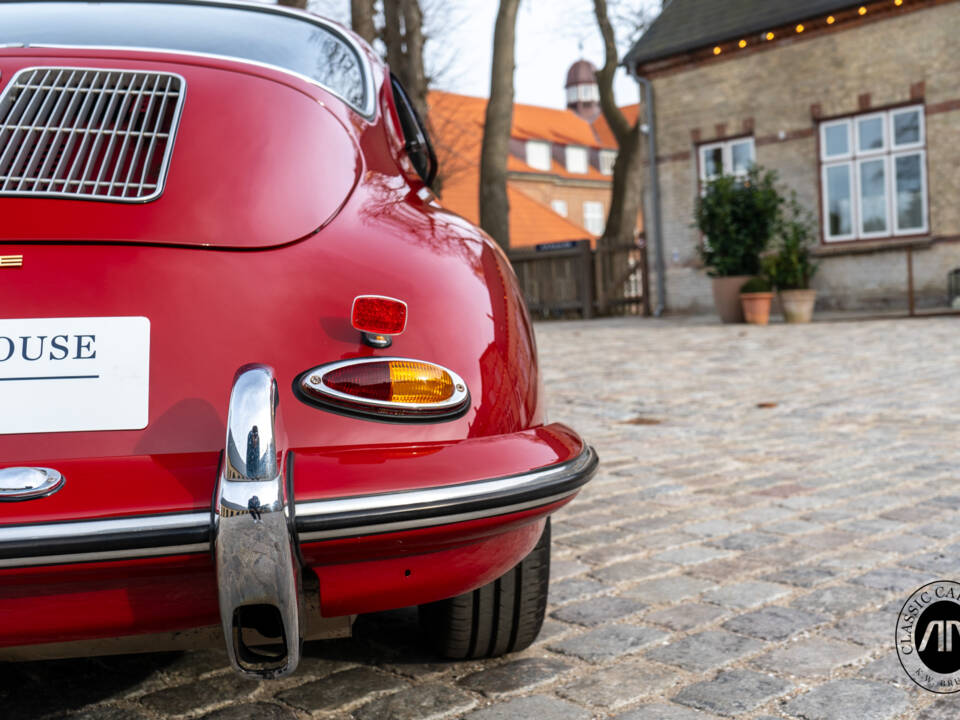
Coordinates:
88 133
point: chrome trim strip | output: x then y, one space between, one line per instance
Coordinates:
476 490
335 518
92 529
404 510
430 522
459 396
367 110
107 555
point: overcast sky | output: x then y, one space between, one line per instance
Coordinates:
550 34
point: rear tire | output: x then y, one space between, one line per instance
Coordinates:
501 617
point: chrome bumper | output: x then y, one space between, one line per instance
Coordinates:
254 538
257 571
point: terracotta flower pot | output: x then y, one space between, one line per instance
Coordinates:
756 307
726 297
797 305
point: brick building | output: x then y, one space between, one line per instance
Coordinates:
560 167
855 104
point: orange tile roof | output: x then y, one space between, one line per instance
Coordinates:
603 131
456 123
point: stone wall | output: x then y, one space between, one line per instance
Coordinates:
776 94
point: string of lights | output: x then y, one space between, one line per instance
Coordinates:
780 33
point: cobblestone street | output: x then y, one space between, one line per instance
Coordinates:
768 497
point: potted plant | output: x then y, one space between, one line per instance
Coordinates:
737 216
755 299
791 268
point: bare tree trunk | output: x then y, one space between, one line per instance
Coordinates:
416 77
494 205
627 193
361 19
302 4
393 38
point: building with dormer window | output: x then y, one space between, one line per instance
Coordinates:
560 167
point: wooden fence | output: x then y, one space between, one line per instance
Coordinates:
568 279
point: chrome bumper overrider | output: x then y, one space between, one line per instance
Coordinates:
257 572
252 534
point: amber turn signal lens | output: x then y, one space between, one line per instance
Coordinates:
395 381
378 315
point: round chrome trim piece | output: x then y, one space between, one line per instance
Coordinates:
28 483
321 391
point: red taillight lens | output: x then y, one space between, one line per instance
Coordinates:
378 315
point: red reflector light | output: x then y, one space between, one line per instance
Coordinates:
378 315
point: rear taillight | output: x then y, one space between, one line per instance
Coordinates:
395 388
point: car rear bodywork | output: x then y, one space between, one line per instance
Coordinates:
281 204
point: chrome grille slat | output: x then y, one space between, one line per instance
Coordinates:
135 154
88 133
161 112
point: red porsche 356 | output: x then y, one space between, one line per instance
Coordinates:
254 381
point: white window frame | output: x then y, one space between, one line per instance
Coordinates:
582 154
559 207
923 189
608 159
884 130
727 157
823 141
885 161
596 212
855 158
532 160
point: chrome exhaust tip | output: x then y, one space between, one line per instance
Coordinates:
256 564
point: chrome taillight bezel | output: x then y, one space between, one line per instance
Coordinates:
322 395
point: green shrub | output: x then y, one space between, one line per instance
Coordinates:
758 284
737 217
791 266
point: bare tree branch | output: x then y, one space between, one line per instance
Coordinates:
608 102
302 4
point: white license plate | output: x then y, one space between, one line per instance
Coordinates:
74 374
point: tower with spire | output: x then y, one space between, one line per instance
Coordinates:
583 93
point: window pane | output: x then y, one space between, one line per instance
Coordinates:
870 134
742 157
538 155
837 140
577 159
873 196
712 162
593 219
909 192
906 127
839 197
246 33
559 207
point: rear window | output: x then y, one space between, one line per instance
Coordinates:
263 36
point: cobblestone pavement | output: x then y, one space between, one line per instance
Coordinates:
768 498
